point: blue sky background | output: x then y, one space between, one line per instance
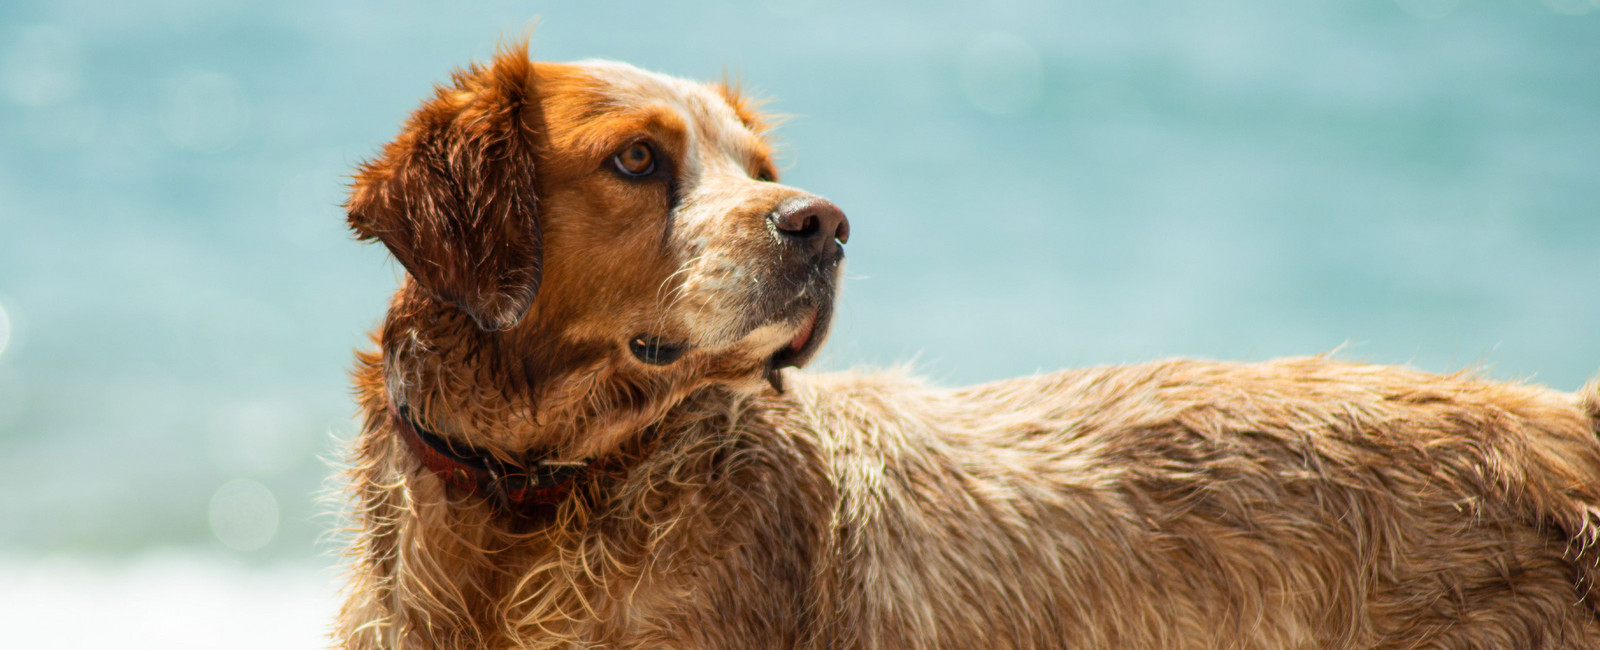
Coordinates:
1030 186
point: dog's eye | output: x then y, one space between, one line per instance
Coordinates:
636 160
654 351
766 176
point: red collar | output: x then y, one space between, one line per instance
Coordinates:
519 488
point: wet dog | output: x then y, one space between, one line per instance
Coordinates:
582 429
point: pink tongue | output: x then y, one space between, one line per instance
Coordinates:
804 335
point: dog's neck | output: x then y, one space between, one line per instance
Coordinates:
520 487
536 387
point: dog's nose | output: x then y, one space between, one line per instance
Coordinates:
810 221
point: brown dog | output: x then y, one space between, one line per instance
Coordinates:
571 440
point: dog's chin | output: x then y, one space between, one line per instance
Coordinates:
809 330
766 341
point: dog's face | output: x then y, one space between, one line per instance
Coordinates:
616 239
666 227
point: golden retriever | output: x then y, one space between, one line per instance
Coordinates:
581 431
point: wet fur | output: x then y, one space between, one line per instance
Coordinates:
1300 503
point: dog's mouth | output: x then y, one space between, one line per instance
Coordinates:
813 329
809 321
800 348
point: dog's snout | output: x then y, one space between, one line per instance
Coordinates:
810 221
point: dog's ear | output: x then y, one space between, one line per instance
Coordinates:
453 196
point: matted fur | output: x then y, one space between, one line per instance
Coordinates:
1301 503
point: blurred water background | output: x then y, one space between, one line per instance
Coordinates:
1031 185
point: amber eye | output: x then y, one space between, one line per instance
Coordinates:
636 160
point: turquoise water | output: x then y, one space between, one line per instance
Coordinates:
1030 187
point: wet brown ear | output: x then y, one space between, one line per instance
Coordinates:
453 196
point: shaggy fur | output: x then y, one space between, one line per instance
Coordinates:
1301 503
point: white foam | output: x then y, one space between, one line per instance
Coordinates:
163 600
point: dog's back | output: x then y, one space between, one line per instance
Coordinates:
1298 503
1291 504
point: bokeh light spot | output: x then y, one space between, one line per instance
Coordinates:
204 112
1001 74
43 66
244 514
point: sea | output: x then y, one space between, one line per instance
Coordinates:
1031 185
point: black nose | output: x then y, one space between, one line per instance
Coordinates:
810 221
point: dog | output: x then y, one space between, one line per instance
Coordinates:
583 428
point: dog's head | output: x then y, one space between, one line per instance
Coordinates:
591 241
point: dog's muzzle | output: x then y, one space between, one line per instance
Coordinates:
810 223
